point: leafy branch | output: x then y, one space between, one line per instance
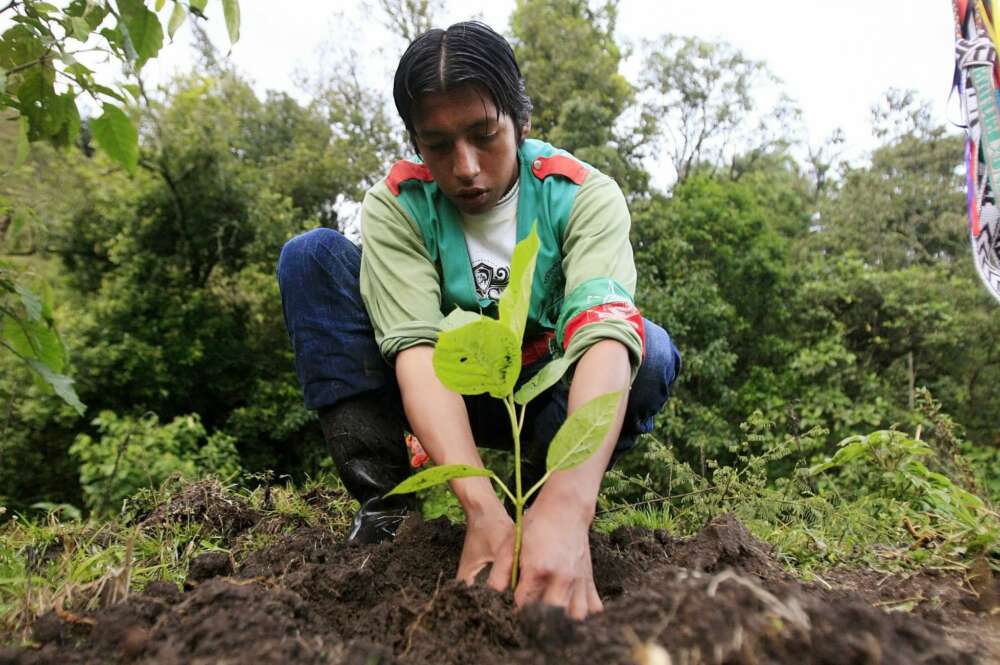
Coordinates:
33 54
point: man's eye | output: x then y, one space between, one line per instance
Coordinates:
486 138
438 147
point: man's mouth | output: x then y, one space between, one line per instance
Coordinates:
473 194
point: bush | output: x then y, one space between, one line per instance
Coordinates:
136 453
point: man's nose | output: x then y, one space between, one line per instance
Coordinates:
466 165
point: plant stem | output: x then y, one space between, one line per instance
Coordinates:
518 495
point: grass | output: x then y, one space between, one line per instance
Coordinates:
887 501
49 563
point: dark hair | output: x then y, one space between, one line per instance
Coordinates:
468 53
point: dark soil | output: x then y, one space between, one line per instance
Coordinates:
207 504
717 598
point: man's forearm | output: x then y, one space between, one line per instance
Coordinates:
441 422
604 368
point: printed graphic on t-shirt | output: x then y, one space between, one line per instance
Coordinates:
490 280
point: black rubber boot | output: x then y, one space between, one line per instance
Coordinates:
365 438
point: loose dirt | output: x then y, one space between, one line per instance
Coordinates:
717 598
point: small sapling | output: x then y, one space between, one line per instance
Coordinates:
476 354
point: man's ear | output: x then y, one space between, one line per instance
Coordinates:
525 130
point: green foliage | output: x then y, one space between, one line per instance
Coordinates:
115 133
908 205
883 500
888 468
32 53
168 294
27 330
130 454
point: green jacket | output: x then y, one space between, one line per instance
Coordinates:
415 266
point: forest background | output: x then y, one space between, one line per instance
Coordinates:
814 298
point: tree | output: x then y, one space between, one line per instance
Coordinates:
714 271
41 77
907 206
409 18
578 93
707 97
172 306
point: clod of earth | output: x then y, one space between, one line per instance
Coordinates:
717 598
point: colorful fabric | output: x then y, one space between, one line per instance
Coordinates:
976 76
416 267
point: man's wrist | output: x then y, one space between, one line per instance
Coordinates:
476 496
566 497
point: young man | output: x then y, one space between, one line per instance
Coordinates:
438 234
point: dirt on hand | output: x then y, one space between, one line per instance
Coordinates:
718 598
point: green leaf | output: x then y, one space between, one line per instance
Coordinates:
583 432
35 94
43 8
545 379
161 3
14 333
34 340
47 299
480 357
231 10
120 46
83 75
32 303
110 92
60 383
133 89
142 28
79 28
23 146
437 475
458 318
71 120
516 298
117 136
47 345
18 46
95 14
177 17
198 5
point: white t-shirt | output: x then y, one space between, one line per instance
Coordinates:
490 238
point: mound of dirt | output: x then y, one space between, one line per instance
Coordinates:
718 598
204 503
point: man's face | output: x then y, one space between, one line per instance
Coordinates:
470 150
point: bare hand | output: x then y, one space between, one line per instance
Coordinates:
555 561
489 539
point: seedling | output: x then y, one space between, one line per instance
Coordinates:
476 354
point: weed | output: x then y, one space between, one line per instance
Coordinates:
885 500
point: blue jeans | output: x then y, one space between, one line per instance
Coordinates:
336 356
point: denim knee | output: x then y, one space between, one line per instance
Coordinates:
336 356
307 251
660 367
